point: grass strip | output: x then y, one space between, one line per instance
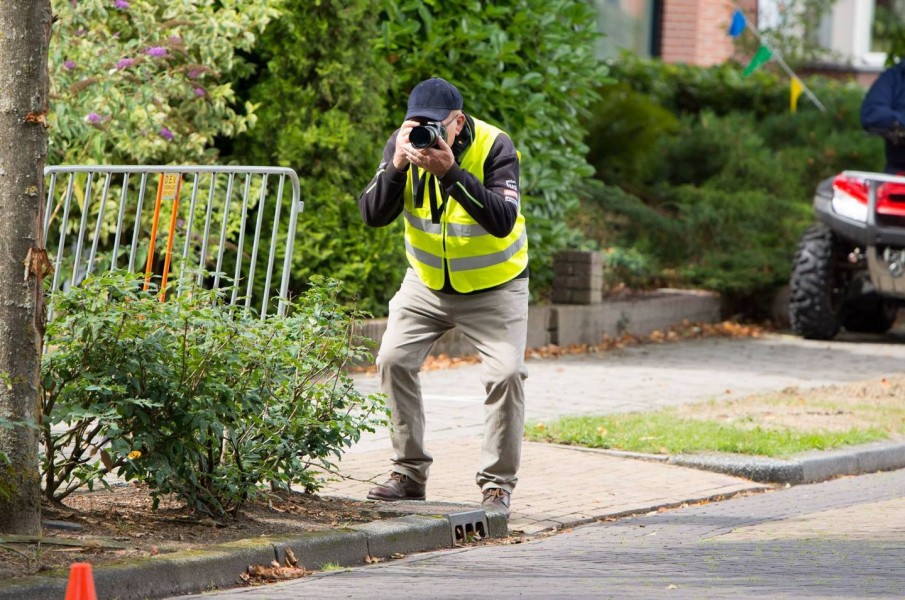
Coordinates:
664 432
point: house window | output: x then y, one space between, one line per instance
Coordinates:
889 22
628 25
846 34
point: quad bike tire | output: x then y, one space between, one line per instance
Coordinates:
871 314
815 302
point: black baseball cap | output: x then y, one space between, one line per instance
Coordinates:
433 99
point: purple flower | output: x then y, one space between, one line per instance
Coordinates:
124 63
175 39
166 133
194 73
156 51
200 91
93 118
69 65
121 4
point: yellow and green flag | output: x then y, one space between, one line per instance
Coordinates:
762 56
795 89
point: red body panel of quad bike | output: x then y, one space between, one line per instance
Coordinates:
849 268
890 196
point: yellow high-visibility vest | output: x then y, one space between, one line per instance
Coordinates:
475 259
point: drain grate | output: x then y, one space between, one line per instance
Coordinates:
468 526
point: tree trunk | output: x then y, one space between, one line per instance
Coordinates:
24 39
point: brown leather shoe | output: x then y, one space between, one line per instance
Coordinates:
398 487
496 499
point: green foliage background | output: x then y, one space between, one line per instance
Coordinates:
320 96
703 178
112 95
708 177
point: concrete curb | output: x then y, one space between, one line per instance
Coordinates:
219 567
808 467
811 467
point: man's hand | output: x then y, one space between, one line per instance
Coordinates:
437 160
895 134
400 161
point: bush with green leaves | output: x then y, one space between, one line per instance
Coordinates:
136 81
625 135
688 89
709 195
320 93
195 397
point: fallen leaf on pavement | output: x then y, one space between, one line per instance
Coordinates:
291 560
274 572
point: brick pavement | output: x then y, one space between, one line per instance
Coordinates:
809 541
655 375
559 486
635 378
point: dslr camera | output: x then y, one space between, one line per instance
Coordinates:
426 136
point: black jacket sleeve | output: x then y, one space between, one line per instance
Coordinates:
381 201
494 205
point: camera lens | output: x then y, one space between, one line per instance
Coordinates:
423 136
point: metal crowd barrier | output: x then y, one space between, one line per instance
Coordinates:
237 225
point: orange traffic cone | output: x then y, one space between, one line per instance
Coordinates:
81 583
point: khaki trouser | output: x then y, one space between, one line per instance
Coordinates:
496 322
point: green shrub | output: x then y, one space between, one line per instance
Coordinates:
148 82
629 268
624 135
617 218
718 198
736 242
334 78
195 397
320 97
687 89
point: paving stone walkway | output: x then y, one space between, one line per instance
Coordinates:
561 486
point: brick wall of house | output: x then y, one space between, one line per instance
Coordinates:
694 31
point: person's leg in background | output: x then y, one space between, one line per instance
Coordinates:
415 322
496 322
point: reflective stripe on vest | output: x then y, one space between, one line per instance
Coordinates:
475 259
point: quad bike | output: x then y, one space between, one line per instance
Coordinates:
849 268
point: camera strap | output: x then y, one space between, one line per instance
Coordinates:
436 210
417 188
432 183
